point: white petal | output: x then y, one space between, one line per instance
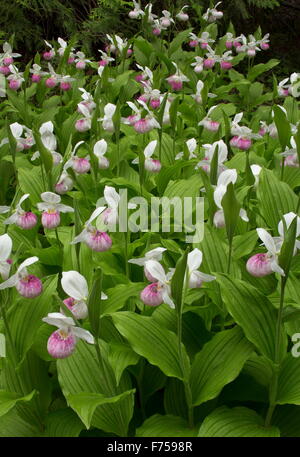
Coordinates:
4 270
276 268
156 270
219 193
267 240
167 299
4 209
83 109
243 215
46 127
191 144
109 110
95 214
204 277
194 259
100 148
5 246
50 197
16 129
227 177
64 208
27 263
83 334
141 262
59 320
150 148
155 254
11 282
111 196
75 285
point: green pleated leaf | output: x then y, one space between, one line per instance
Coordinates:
9 399
165 426
81 373
275 197
254 313
236 422
120 357
157 344
261 68
289 381
63 423
85 403
118 295
283 127
219 362
30 180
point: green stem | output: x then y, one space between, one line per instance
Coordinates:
274 381
282 169
229 257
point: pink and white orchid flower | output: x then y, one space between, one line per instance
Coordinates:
62 342
29 286
24 219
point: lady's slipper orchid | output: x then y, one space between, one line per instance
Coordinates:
212 14
158 292
8 56
182 15
151 165
80 60
80 165
154 254
225 178
48 55
75 285
84 124
62 342
208 123
51 209
95 239
29 286
209 153
24 219
15 78
107 120
99 151
261 265
49 141
177 79
191 145
137 11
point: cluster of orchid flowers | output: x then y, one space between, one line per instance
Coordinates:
159 289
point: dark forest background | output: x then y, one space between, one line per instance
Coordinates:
89 20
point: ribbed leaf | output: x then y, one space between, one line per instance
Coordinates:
63 423
9 399
219 363
81 373
275 198
289 381
165 426
144 334
236 422
254 313
118 295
